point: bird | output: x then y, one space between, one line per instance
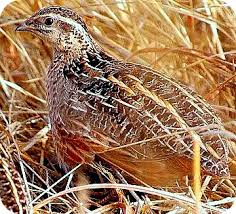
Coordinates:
138 120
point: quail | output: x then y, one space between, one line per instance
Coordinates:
135 118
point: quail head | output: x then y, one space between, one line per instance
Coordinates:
134 118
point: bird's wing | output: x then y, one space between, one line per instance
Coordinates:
148 115
169 118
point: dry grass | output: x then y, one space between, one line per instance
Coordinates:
190 40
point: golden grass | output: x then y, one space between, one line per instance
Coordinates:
191 40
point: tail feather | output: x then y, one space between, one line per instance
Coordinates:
164 172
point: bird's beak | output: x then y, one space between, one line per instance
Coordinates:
25 26
22 27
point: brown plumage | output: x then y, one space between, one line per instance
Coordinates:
133 117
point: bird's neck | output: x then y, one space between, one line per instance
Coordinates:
74 48
92 61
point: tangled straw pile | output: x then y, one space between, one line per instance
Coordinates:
190 40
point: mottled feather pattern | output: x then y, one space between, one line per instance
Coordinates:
101 106
129 115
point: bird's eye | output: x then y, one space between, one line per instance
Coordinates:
48 21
